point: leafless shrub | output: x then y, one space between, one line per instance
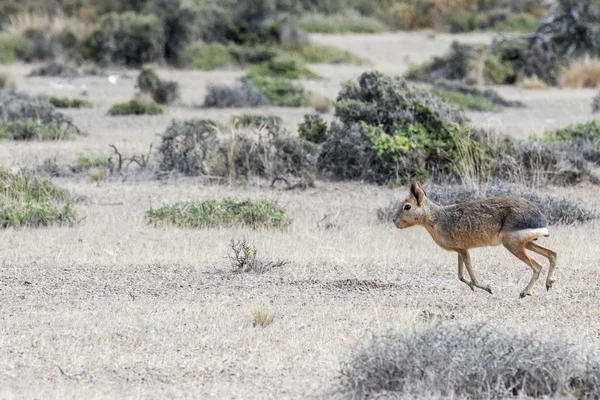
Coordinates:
56 68
16 106
470 361
235 95
243 258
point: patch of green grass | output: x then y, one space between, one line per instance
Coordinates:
65 102
339 23
281 92
520 23
256 119
30 129
30 201
324 54
7 54
220 213
135 107
206 56
586 130
466 102
283 68
86 162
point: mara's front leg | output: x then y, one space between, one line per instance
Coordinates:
461 276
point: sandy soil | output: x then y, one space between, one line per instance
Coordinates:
115 308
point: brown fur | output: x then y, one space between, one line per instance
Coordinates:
511 221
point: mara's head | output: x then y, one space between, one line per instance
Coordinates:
413 210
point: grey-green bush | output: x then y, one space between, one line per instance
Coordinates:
236 95
478 361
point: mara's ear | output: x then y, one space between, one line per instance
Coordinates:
417 192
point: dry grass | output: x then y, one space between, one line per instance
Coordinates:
321 104
262 317
581 73
7 81
533 82
20 23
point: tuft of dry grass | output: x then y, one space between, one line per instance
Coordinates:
320 103
20 23
583 72
96 174
7 82
263 317
533 82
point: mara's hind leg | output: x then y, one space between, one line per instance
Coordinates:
464 255
550 255
461 275
518 250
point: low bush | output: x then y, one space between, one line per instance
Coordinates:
489 95
30 129
206 56
221 213
30 201
466 101
339 23
236 95
65 102
162 92
135 107
281 68
57 69
313 129
256 120
244 259
314 53
558 210
130 39
465 61
281 92
7 54
500 364
519 23
19 110
188 147
596 103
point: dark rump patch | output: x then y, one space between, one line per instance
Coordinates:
531 219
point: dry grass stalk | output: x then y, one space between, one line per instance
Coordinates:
583 72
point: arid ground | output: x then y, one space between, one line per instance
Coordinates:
115 308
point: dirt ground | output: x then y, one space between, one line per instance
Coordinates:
115 308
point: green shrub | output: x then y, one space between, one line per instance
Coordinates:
256 120
586 130
221 213
319 54
521 22
244 55
281 92
466 101
18 45
488 95
129 38
206 56
65 102
463 21
31 129
285 69
30 201
500 364
135 107
7 54
339 23
148 80
86 162
313 129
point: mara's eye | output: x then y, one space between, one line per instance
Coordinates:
407 207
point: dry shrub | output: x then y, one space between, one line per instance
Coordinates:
244 258
56 68
583 72
596 103
321 104
533 82
479 361
7 82
262 317
237 95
